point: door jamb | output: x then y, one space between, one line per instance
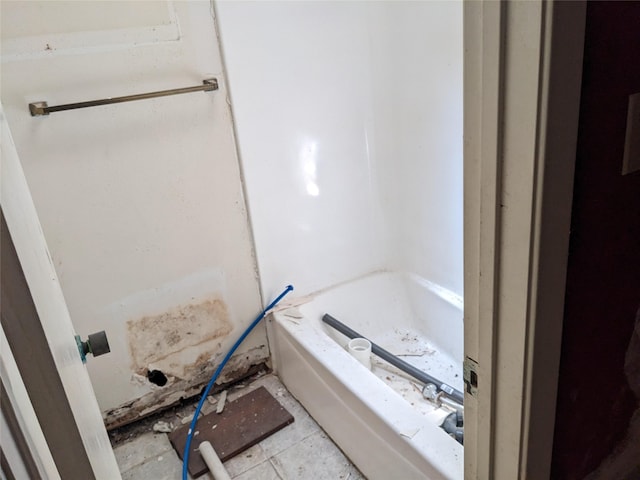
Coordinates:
45 294
523 71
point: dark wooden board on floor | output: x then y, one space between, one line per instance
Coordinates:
243 423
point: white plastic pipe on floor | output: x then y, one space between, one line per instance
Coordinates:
213 462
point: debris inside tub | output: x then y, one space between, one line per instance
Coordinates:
421 364
291 302
293 314
290 310
415 372
407 343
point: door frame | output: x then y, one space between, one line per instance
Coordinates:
522 79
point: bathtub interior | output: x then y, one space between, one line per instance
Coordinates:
406 316
313 363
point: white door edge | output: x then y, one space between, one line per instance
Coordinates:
26 232
26 416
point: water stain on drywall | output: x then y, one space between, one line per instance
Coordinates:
169 341
174 353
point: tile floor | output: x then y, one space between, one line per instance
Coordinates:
300 451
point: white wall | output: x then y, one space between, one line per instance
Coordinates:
418 65
141 203
349 121
301 94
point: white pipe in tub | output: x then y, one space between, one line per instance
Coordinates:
360 349
213 462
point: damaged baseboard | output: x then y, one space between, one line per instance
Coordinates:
239 368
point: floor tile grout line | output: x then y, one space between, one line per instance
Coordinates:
253 466
270 459
146 460
298 442
257 466
275 468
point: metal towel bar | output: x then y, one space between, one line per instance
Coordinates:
41 108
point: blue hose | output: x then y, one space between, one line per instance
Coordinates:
216 374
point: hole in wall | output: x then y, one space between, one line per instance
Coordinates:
157 377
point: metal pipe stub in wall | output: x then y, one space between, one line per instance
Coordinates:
97 344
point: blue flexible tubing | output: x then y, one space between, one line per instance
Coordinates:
216 374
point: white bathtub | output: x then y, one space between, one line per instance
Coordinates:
378 429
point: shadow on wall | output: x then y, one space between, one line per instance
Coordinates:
625 461
595 406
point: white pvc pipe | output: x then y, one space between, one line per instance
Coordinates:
213 462
360 349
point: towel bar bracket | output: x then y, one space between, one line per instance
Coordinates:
42 108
